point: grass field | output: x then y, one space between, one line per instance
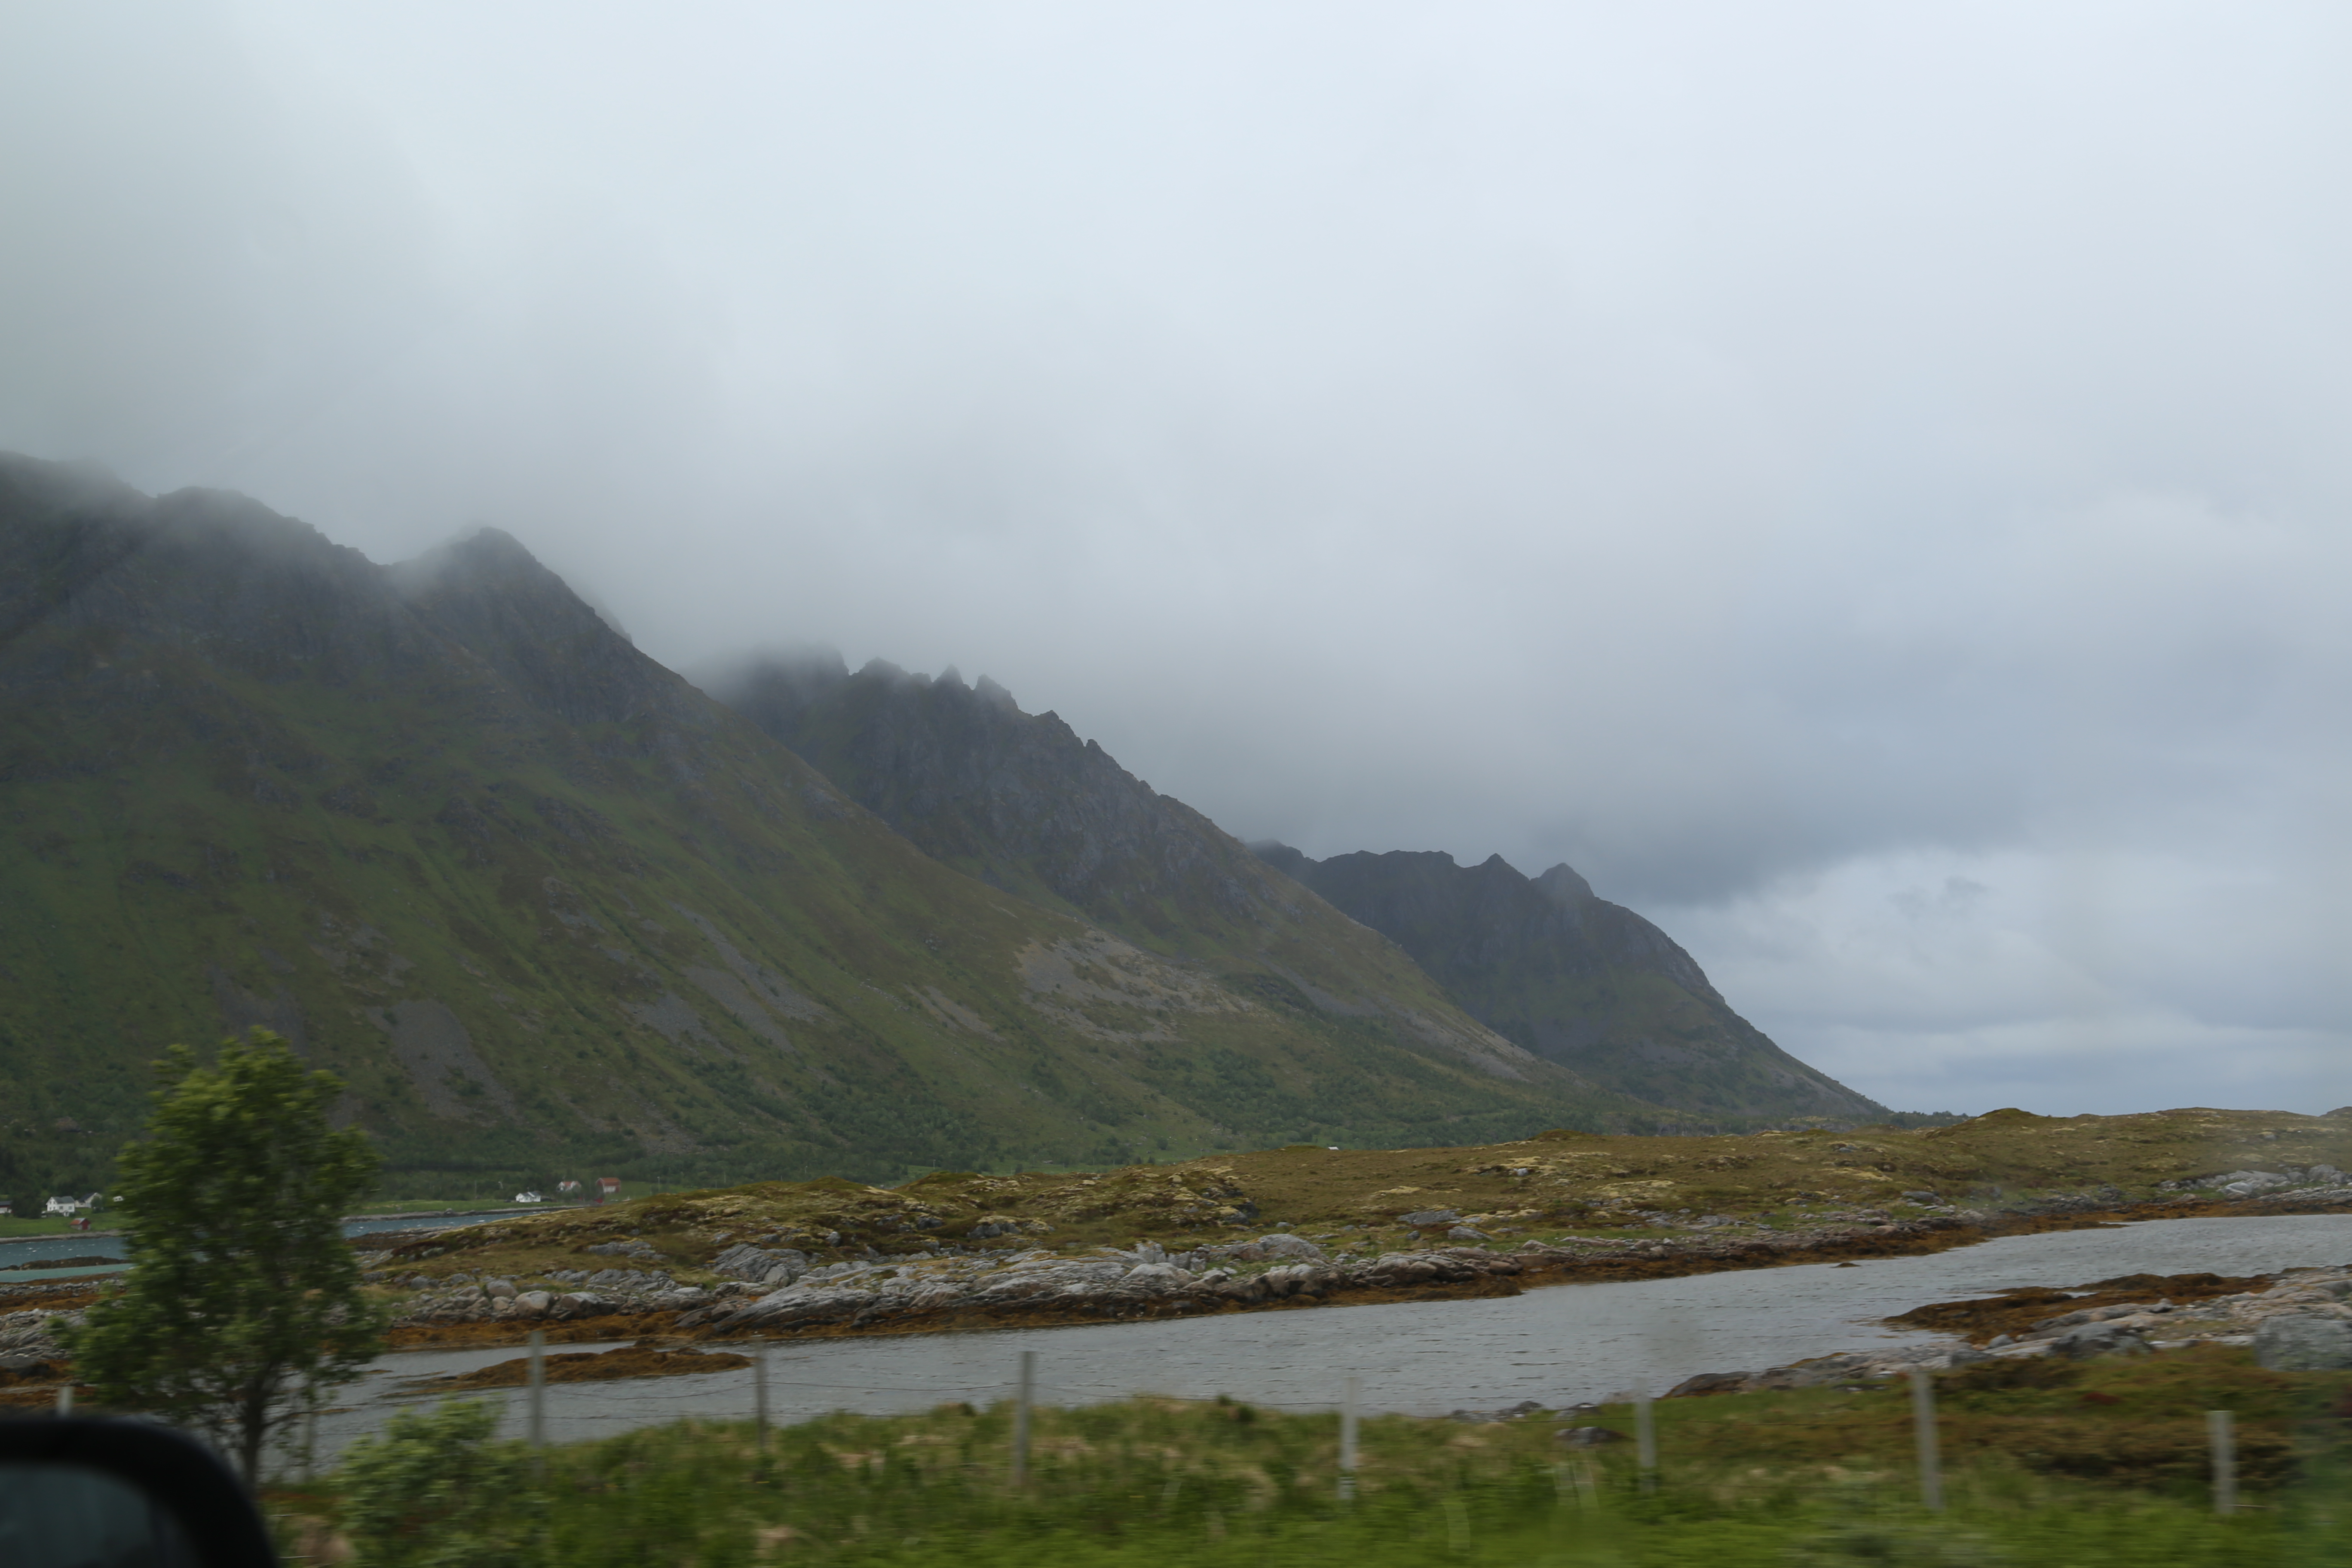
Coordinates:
2071 1467
12 1228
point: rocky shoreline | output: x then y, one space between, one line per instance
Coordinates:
751 1290
764 1291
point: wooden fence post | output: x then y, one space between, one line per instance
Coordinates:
538 1402
1923 1432
1027 1389
1348 1440
2224 1443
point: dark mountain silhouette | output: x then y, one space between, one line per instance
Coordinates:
1575 979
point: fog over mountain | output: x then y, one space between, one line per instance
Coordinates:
1865 486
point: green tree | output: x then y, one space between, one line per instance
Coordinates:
242 1310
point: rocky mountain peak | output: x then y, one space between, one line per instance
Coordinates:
1573 978
1565 888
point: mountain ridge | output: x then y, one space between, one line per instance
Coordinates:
1575 979
1024 802
547 906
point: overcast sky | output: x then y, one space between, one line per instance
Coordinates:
1865 483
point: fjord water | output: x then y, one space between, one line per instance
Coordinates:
21 1250
1558 1345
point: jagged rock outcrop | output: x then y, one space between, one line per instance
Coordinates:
1016 799
1575 979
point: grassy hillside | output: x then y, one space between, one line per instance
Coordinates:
553 913
1554 1185
1020 802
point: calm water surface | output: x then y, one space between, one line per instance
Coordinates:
28 1249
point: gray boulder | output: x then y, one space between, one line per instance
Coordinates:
1430 1217
1155 1280
2087 1339
1465 1233
1298 1279
2294 1342
761 1266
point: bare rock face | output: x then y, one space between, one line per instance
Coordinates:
964 773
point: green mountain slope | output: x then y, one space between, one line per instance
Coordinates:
1576 980
1018 801
548 908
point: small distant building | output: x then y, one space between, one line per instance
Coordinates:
529 1198
607 1188
567 1186
69 1205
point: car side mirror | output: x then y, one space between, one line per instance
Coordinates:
78 1493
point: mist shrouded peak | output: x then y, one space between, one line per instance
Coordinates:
1565 886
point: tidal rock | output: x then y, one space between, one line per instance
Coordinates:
1297 1279
1418 1269
1710 1382
801 1304
1155 1280
1278 1247
2087 1339
761 1266
2303 1342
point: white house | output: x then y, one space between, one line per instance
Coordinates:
70 1205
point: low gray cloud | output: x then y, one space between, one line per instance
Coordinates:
1790 462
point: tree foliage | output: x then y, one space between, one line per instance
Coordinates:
242 1310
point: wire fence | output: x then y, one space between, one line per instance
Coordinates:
1026 1390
